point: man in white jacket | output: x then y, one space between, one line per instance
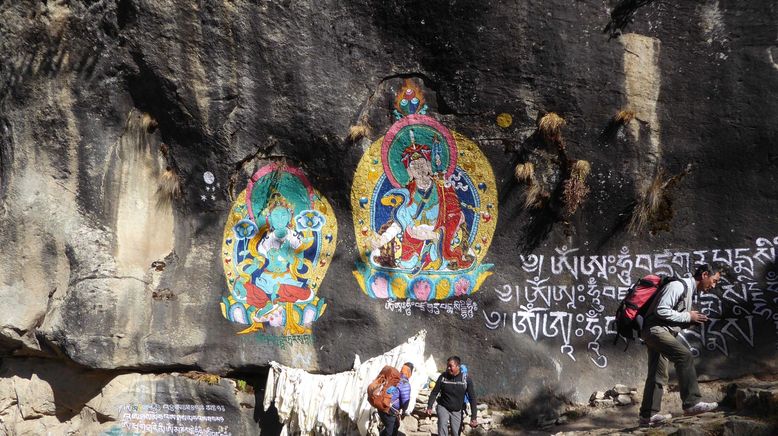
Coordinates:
668 314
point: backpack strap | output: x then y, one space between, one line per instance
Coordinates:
671 279
686 293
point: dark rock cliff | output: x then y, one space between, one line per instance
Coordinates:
101 101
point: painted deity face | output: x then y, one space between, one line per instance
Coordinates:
279 220
420 170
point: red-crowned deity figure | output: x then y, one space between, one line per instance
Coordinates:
427 216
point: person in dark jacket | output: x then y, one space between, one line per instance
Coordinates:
450 390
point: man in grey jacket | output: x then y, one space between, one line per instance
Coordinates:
668 314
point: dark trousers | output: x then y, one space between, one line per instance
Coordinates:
391 424
663 348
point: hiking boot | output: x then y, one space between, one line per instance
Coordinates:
700 408
655 420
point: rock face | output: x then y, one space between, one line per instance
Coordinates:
129 127
42 397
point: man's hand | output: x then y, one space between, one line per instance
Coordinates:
428 412
698 317
474 423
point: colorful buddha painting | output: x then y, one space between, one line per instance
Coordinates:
278 243
425 209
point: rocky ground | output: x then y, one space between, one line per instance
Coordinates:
41 397
44 399
748 407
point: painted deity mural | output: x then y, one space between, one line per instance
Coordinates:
278 243
425 209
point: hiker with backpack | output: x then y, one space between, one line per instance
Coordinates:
390 394
452 386
667 312
404 386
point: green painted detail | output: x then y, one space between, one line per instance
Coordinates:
288 185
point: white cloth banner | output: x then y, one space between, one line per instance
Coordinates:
336 404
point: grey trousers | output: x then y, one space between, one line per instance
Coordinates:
663 347
445 417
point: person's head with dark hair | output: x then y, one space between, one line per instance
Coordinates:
707 276
407 369
452 365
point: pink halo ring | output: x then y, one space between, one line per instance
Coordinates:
267 169
417 119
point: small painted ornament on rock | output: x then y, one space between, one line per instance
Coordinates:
210 187
274 240
409 101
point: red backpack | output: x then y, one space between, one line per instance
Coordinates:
638 300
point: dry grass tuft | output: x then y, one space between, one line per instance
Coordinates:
164 149
168 188
211 379
149 123
625 116
575 188
359 131
550 127
136 132
581 169
654 207
534 197
524 172
648 204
